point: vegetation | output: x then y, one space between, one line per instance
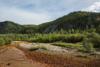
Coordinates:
2 42
77 29
8 41
83 56
83 41
39 47
88 46
74 22
5 41
67 44
9 27
43 47
55 37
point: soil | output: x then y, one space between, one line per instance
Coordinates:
15 56
27 45
62 60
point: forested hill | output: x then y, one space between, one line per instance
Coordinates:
76 20
12 27
9 27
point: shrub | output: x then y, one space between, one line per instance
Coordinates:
2 42
74 38
69 38
95 39
8 41
88 46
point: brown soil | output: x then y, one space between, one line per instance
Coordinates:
62 60
13 57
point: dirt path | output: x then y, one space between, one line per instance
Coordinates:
13 57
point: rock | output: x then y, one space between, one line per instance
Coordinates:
9 63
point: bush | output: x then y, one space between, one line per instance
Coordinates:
74 38
2 42
94 39
52 37
88 46
8 41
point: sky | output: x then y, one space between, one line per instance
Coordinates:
41 11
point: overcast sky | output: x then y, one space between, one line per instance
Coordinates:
40 11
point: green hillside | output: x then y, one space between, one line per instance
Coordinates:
9 27
29 29
74 21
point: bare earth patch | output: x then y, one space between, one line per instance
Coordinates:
27 45
13 57
55 56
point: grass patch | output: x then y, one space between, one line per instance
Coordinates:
43 47
67 45
98 53
39 47
83 56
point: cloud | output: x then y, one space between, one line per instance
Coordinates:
22 16
39 11
95 7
